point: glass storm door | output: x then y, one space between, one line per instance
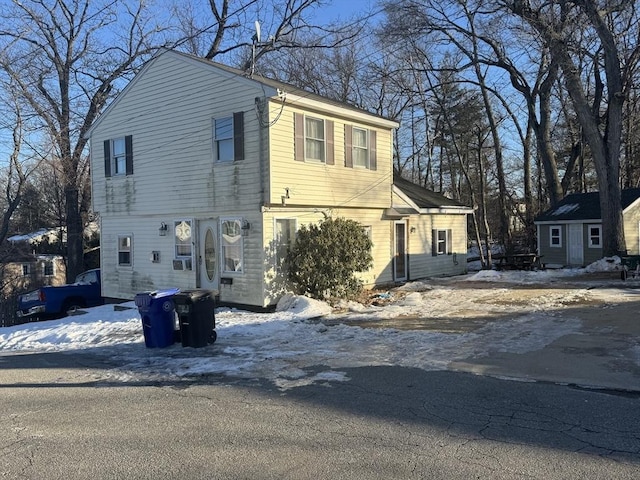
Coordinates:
400 253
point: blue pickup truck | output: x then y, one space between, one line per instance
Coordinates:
55 302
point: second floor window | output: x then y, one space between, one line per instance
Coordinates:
314 139
228 138
118 156
360 147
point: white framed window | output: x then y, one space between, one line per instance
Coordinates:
183 237
232 245
118 156
555 236
595 236
314 139
360 147
228 137
441 242
48 268
125 250
285 235
223 134
26 269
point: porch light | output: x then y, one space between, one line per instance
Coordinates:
246 226
163 229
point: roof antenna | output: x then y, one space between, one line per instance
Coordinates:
256 41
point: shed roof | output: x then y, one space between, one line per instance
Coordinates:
584 206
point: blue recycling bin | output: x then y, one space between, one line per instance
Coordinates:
158 317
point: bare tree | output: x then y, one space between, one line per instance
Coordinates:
562 25
226 29
66 58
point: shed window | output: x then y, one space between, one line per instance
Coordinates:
595 236
555 236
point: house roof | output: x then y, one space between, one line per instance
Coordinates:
584 206
274 88
422 197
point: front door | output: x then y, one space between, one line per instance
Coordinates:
400 253
208 254
575 245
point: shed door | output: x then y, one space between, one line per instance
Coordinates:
576 245
207 255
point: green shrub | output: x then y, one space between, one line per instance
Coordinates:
324 259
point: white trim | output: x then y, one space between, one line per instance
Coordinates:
589 237
559 227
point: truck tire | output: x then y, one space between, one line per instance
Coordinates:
72 306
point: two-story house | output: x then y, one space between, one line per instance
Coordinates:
202 175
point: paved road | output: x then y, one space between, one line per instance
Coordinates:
61 418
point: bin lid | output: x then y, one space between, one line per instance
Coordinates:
143 299
195 295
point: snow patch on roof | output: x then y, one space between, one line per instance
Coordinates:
570 207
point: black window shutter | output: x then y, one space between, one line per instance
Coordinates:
329 154
449 242
373 151
128 149
107 158
298 150
238 136
348 146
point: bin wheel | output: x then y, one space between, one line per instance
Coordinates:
213 337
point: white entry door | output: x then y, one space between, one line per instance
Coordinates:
575 245
208 254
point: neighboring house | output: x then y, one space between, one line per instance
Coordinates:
570 234
201 177
50 235
24 272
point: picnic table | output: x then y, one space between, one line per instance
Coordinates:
518 261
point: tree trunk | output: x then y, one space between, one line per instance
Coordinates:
75 264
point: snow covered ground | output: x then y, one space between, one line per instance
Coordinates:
285 346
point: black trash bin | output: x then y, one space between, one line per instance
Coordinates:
195 309
158 317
